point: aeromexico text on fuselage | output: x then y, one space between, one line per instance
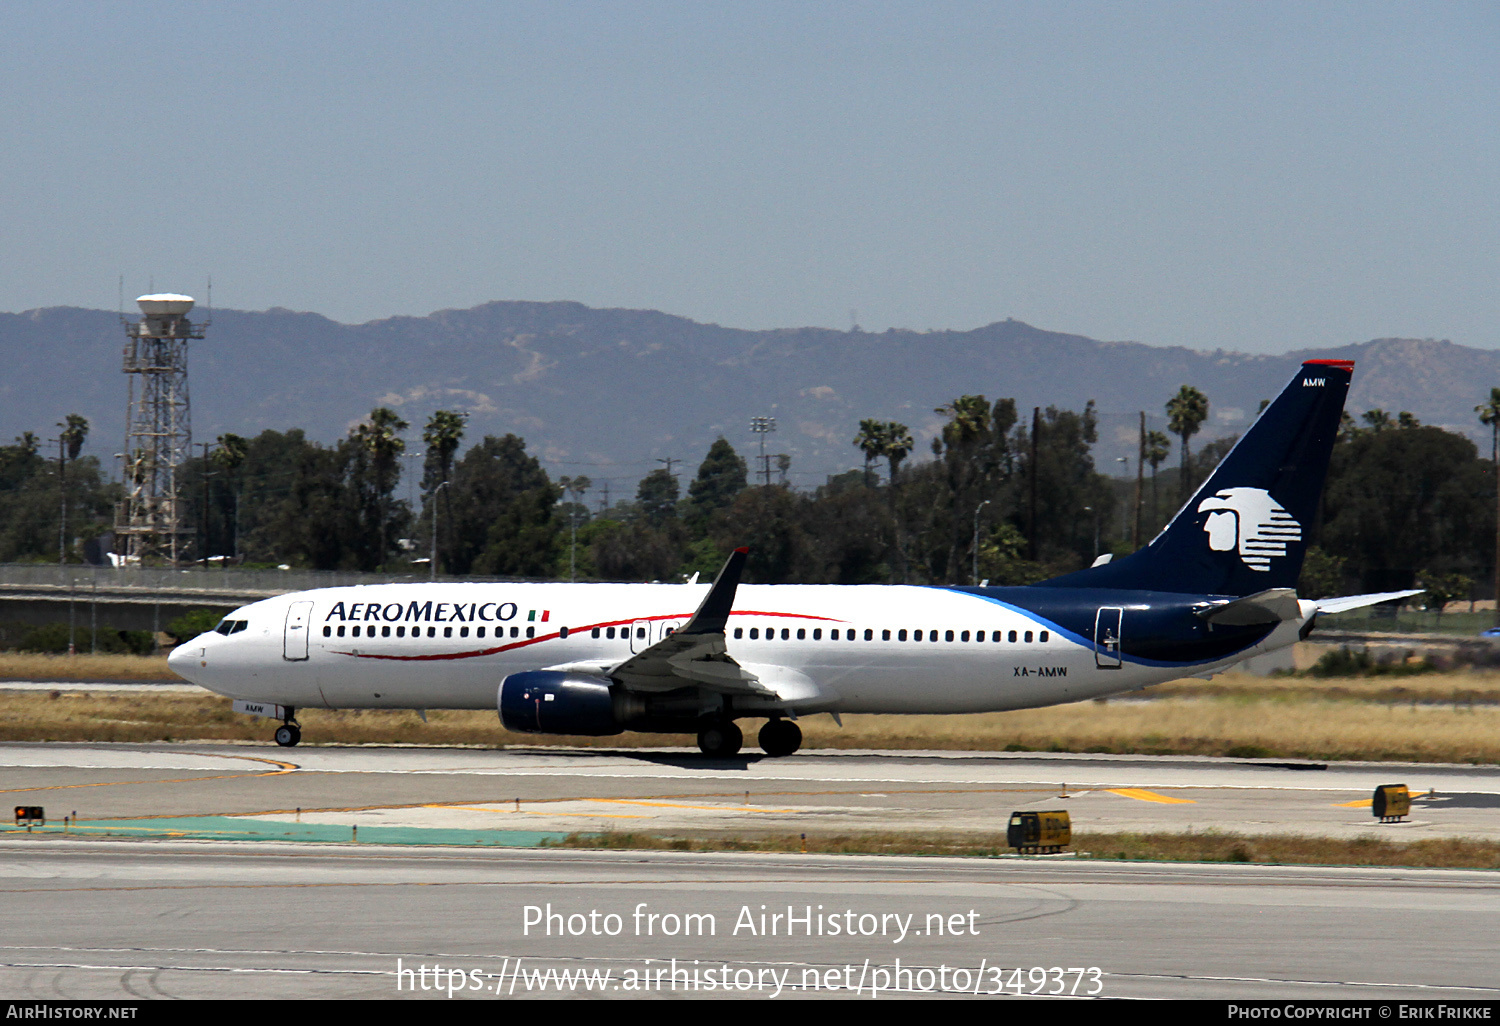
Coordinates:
432 612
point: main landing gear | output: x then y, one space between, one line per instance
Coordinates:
288 734
780 737
720 739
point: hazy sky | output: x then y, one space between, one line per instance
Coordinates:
1257 176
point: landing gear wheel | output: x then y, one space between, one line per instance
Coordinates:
288 734
720 740
780 737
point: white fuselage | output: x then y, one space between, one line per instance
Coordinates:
814 647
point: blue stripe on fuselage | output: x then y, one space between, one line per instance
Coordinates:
1153 623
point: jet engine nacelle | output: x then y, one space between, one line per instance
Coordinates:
554 702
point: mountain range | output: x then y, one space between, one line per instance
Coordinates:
614 393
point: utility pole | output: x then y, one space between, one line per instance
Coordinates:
1036 429
1140 470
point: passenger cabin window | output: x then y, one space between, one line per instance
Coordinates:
948 636
901 635
739 632
327 631
1043 637
817 634
754 633
964 636
869 634
531 632
1012 637
562 632
610 634
786 634
1028 637
801 633
594 633
885 635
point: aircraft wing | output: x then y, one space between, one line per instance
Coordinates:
1347 602
696 653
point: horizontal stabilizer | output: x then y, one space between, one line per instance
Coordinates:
1270 606
1347 602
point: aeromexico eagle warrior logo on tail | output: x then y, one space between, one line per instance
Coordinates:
1250 521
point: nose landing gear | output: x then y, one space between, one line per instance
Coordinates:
288 734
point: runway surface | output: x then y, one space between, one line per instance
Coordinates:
129 920
564 790
93 916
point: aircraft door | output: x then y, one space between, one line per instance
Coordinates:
640 635
294 645
1107 637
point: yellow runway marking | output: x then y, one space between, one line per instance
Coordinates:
699 808
1142 795
1365 803
282 767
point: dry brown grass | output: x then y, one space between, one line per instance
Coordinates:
39 666
1241 725
1459 686
1284 726
1452 853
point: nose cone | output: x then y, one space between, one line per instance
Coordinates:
183 659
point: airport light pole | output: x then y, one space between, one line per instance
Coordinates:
432 557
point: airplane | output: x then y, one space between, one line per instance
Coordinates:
1215 587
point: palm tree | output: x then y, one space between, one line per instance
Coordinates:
380 438
1489 413
871 442
898 445
444 431
1378 419
1158 448
1186 412
231 454
69 443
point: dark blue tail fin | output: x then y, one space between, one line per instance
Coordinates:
1246 528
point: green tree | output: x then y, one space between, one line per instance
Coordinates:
721 477
657 494
1399 502
504 512
1186 412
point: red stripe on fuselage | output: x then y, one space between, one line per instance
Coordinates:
549 637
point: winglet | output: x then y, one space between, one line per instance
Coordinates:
713 614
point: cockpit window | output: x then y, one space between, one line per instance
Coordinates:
231 626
